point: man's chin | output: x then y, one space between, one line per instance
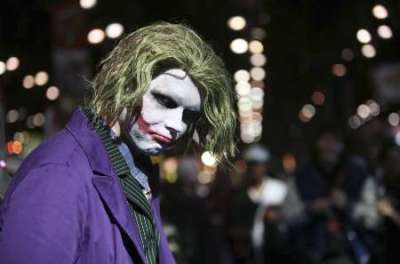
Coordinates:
154 149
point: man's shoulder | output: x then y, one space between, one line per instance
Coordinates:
58 163
59 149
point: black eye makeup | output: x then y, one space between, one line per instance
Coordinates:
164 100
190 116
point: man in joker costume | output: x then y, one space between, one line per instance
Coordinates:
89 194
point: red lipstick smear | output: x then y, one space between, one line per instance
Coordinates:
144 126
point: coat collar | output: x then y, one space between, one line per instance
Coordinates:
105 181
85 134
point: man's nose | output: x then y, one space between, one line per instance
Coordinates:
174 122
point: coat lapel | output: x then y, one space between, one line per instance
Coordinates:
105 180
111 193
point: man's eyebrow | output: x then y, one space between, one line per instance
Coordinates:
163 94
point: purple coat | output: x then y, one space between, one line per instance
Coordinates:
66 205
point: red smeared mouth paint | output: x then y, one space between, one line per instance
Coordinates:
145 128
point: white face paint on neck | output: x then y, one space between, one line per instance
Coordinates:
170 105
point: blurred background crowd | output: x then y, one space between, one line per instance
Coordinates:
317 175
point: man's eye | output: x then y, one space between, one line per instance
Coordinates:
165 100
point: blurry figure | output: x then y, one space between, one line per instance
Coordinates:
255 212
330 185
389 204
185 209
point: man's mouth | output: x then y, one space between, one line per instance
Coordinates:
161 138
145 128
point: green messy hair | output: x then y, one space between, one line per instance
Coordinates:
127 71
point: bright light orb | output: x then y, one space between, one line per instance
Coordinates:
28 82
114 30
368 51
12 63
2 67
241 76
258 60
96 36
208 159
257 73
380 12
237 23
239 46
394 119
256 47
385 32
363 111
363 36
52 93
41 78
87 4
308 111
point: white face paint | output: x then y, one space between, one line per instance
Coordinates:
170 105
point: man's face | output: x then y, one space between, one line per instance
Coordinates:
170 105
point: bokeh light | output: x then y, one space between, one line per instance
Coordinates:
243 88
394 119
380 12
114 30
237 23
38 119
96 36
308 111
363 111
355 122
258 60
397 138
41 78
52 93
374 107
241 76
368 51
239 46
256 47
12 63
208 159
28 81
17 147
363 36
339 70
318 98
3 164
87 4
2 67
385 32
12 116
257 73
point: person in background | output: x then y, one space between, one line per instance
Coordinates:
255 208
389 204
329 185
